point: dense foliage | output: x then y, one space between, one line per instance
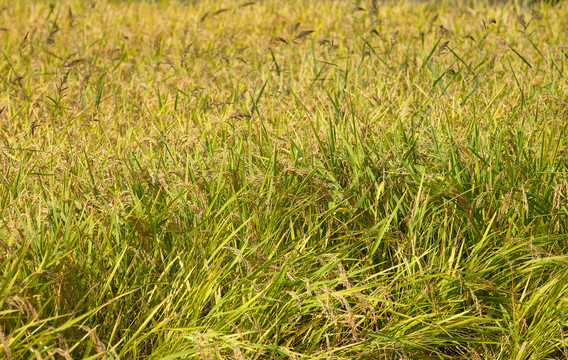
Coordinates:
283 179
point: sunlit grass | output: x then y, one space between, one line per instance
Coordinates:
303 180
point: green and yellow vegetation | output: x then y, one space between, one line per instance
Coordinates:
283 179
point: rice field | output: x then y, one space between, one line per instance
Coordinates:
283 179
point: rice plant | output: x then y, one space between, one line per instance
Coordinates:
283 180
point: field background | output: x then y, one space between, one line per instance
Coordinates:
283 179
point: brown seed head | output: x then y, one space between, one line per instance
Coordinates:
303 34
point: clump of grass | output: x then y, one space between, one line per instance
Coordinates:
391 185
